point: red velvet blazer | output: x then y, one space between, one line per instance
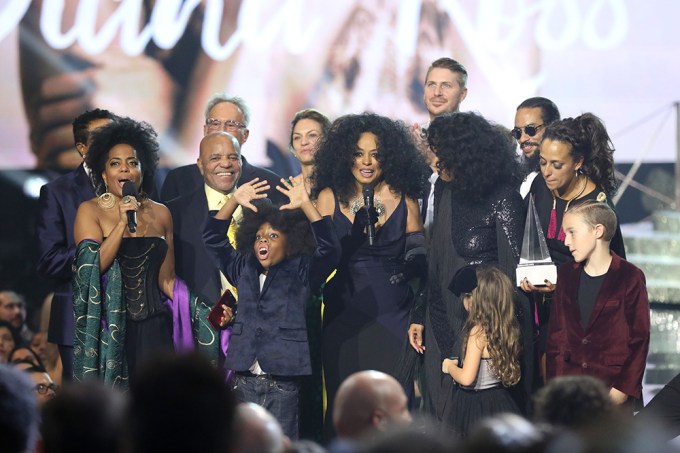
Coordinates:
614 344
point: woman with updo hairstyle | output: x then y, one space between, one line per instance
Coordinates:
126 296
307 130
368 301
479 220
577 164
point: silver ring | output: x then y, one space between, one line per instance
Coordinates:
126 199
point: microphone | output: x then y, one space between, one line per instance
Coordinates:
129 189
368 204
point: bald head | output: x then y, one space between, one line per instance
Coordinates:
257 430
219 161
368 401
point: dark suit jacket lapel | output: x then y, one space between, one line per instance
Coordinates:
82 185
270 276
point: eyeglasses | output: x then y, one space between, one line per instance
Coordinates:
230 125
529 130
43 388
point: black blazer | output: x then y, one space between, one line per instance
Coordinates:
182 180
59 201
270 324
192 262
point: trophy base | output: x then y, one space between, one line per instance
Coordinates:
537 273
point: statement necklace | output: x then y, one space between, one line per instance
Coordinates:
358 203
552 226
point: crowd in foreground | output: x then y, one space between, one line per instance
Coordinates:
181 403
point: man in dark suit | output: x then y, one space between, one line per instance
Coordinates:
229 114
220 166
59 201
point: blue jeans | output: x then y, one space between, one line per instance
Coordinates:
280 395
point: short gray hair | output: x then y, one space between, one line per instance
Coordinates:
219 98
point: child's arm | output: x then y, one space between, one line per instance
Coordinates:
244 195
473 356
215 230
629 381
299 199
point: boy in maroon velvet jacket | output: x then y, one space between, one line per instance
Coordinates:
599 323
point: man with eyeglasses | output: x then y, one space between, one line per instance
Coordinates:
192 192
228 114
45 389
532 117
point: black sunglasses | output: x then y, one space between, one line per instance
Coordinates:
529 130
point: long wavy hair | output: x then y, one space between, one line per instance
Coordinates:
141 136
293 224
404 168
588 138
492 308
477 153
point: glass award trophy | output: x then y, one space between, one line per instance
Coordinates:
535 263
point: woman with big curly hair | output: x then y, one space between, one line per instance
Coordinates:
128 303
368 301
479 220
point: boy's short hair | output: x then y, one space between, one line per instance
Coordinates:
597 213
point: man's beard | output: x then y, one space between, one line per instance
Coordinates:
530 164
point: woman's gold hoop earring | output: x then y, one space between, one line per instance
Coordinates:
106 200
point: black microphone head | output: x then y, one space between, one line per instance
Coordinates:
367 190
129 188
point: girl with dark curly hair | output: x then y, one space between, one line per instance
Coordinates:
479 219
368 301
124 276
276 267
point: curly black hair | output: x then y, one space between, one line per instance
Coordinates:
139 135
404 168
292 223
475 152
573 401
589 139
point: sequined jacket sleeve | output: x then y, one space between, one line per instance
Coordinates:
510 212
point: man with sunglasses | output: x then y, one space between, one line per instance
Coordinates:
532 117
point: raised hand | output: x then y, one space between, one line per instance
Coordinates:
295 191
252 190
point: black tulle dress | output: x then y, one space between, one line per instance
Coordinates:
487 232
365 321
